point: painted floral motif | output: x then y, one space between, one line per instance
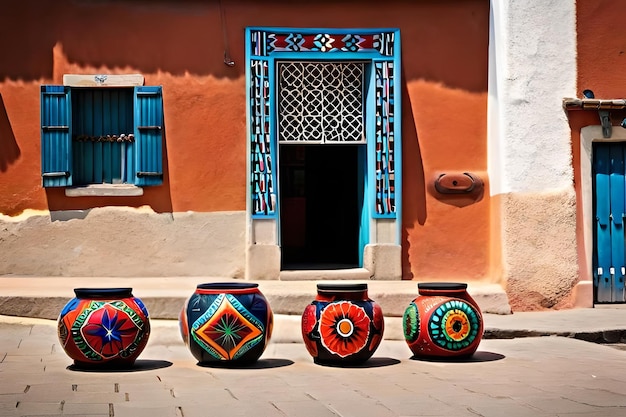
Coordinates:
454 325
411 322
228 331
308 324
377 317
344 328
379 325
309 319
457 325
323 42
109 331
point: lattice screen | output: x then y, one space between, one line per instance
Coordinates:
320 102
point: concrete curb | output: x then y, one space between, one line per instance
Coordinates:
44 297
287 330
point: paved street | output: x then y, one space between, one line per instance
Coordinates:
532 376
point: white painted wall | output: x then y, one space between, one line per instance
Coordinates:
532 59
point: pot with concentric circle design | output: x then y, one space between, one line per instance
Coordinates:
443 321
342 325
103 328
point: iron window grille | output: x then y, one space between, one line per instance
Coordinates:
320 102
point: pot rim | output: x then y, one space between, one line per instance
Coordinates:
217 286
109 292
342 287
442 286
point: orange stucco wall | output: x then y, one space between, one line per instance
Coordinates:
602 69
180 45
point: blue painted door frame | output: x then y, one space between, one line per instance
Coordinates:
381 173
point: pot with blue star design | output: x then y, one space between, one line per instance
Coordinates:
103 327
444 321
226 323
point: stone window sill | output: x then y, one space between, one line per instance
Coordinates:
104 190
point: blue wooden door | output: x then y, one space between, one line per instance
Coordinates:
609 263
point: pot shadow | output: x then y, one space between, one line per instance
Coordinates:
377 362
477 357
259 364
140 365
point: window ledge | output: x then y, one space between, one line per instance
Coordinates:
103 80
104 190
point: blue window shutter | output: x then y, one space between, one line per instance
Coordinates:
56 136
148 136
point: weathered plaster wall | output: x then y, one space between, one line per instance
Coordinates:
539 247
203 100
122 242
180 45
447 235
533 66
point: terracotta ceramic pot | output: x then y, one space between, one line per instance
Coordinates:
342 325
104 327
226 323
443 321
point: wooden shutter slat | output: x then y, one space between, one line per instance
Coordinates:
56 145
148 136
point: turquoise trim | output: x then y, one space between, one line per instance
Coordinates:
248 47
373 45
265 41
273 142
398 137
370 131
340 31
364 223
324 56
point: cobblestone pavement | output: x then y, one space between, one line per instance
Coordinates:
534 376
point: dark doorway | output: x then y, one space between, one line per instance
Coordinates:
321 198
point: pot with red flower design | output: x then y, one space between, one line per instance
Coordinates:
226 323
104 327
342 325
443 321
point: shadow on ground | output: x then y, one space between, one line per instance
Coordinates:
370 363
140 365
260 364
480 356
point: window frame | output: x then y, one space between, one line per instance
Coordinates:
381 49
58 114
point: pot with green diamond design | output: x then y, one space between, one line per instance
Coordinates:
226 323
